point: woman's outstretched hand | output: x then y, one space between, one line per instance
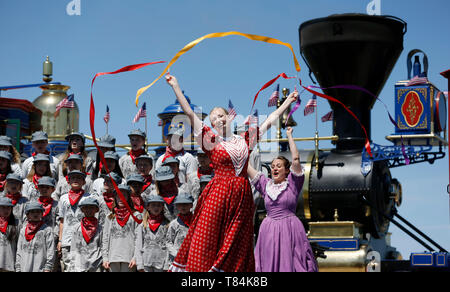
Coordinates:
293 96
171 80
289 131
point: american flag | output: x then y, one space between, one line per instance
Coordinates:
107 116
231 110
67 102
309 107
327 117
252 119
274 97
140 114
416 80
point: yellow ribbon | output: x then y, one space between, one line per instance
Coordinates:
217 35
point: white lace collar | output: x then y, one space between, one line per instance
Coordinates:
238 151
273 190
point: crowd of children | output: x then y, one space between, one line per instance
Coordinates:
77 213
63 213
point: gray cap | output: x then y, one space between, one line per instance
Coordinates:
137 132
75 172
39 136
205 178
111 155
76 134
124 187
153 198
5 141
4 201
41 157
117 179
144 156
135 177
89 201
176 131
184 198
164 173
14 176
107 141
47 181
170 159
74 157
33 205
6 155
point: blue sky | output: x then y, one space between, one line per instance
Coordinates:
110 34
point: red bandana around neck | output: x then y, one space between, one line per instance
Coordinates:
138 203
122 215
109 200
36 180
74 197
168 193
136 153
154 221
2 181
3 224
14 197
147 181
187 218
32 228
171 153
46 203
89 228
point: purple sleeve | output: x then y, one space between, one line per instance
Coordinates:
296 181
260 182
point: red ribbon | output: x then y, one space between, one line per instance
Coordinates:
268 84
367 144
92 122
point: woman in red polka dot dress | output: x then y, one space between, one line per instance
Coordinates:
220 237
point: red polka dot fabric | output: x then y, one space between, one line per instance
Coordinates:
220 237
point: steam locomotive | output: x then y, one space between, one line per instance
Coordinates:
348 201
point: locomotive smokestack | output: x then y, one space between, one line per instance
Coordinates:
352 49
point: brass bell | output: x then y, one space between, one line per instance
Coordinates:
290 122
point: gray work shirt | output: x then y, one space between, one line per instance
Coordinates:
85 257
119 242
175 235
38 254
151 247
8 251
71 215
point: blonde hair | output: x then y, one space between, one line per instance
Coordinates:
216 108
147 216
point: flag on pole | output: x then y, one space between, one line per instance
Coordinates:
327 117
231 110
310 106
273 100
416 80
140 114
107 115
252 119
67 102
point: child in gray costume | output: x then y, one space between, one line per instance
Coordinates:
85 249
151 241
36 244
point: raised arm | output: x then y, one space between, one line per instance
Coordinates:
278 112
296 165
195 121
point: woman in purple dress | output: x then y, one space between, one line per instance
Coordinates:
282 244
